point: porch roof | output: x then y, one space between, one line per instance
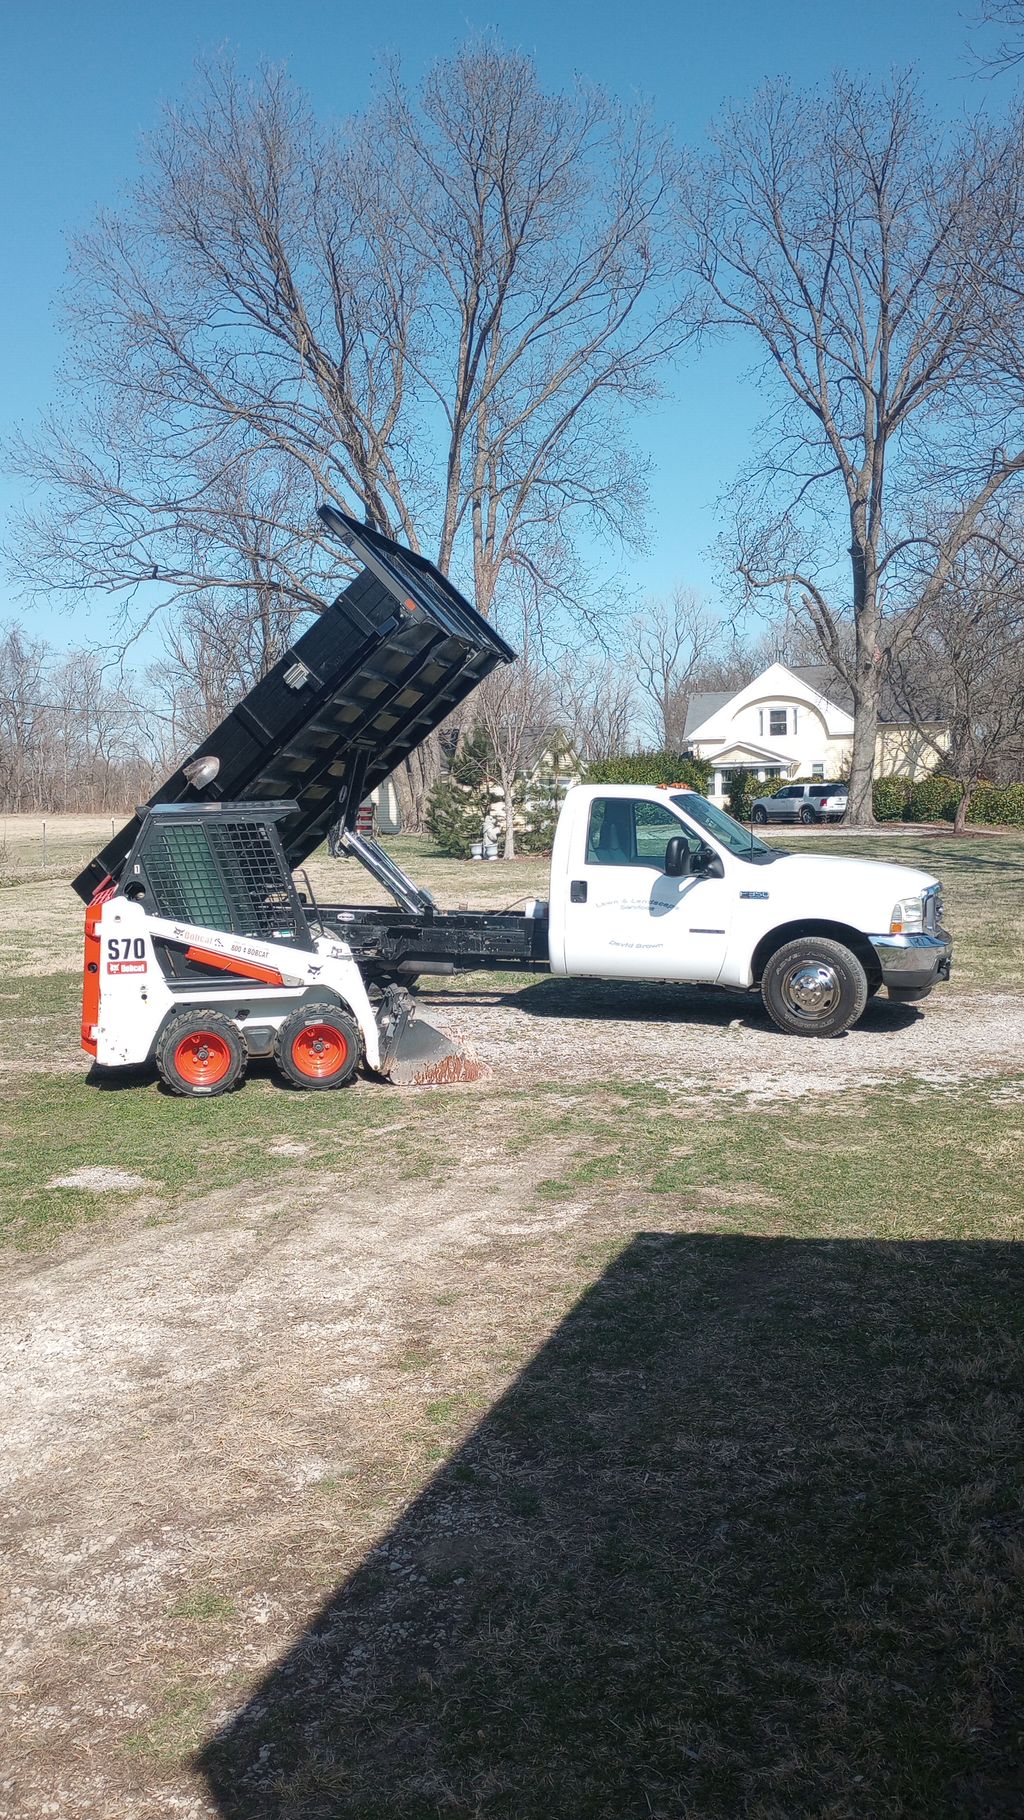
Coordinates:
747 752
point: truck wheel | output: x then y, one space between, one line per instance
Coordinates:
814 987
759 815
200 1053
318 1047
807 815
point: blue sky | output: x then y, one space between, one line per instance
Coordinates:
84 83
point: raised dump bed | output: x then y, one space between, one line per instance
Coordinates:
378 671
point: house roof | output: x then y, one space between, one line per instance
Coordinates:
750 749
824 679
700 708
819 677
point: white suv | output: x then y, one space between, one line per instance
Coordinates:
802 803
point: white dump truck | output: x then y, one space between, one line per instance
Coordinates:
203 949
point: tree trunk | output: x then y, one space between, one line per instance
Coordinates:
508 785
860 808
867 686
415 778
963 808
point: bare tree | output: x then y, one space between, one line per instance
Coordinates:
515 708
595 705
69 739
23 706
961 683
992 57
436 317
674 641
859 246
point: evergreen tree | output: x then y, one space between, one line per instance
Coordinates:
458 803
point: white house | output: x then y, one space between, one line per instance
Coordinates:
794 721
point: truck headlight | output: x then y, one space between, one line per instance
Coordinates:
907 917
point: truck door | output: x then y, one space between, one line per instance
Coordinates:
625 918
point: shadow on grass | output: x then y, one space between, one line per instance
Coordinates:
741 1540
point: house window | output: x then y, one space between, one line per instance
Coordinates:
818 771
777 722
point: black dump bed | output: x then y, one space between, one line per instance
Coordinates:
377 671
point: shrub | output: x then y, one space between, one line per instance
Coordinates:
890 798
652 768
1000 806
744 788
933 799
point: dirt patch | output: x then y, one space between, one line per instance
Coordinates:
99 1180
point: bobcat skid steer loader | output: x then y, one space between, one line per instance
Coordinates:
199 950
206 956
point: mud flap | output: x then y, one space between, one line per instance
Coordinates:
413 1053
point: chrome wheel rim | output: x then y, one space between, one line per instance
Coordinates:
811 990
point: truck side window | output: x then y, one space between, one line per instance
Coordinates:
623 832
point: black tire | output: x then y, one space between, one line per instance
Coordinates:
760 816
807 815
814 987
200 1054
317 1047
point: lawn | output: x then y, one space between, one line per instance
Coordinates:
609 1442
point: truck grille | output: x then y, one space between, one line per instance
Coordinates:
932 909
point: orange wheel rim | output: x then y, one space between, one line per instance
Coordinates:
202 1058
319 1051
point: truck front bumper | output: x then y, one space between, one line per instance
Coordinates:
913 963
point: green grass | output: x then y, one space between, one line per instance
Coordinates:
184 1149
906 1161
53 1124
203 1606
177 1726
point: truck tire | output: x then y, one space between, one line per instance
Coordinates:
200 1054
759 815
318 1047
814 987
807 815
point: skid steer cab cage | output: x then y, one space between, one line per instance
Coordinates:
220 867
379 669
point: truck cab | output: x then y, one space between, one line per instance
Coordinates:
660 884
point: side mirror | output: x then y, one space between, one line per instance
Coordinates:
708 864
677 856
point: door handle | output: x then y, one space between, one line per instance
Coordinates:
578 891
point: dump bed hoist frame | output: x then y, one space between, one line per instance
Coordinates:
415 937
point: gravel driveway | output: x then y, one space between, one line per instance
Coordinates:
565 1030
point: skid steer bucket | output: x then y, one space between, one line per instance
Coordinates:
415 1054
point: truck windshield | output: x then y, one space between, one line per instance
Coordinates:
732 835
